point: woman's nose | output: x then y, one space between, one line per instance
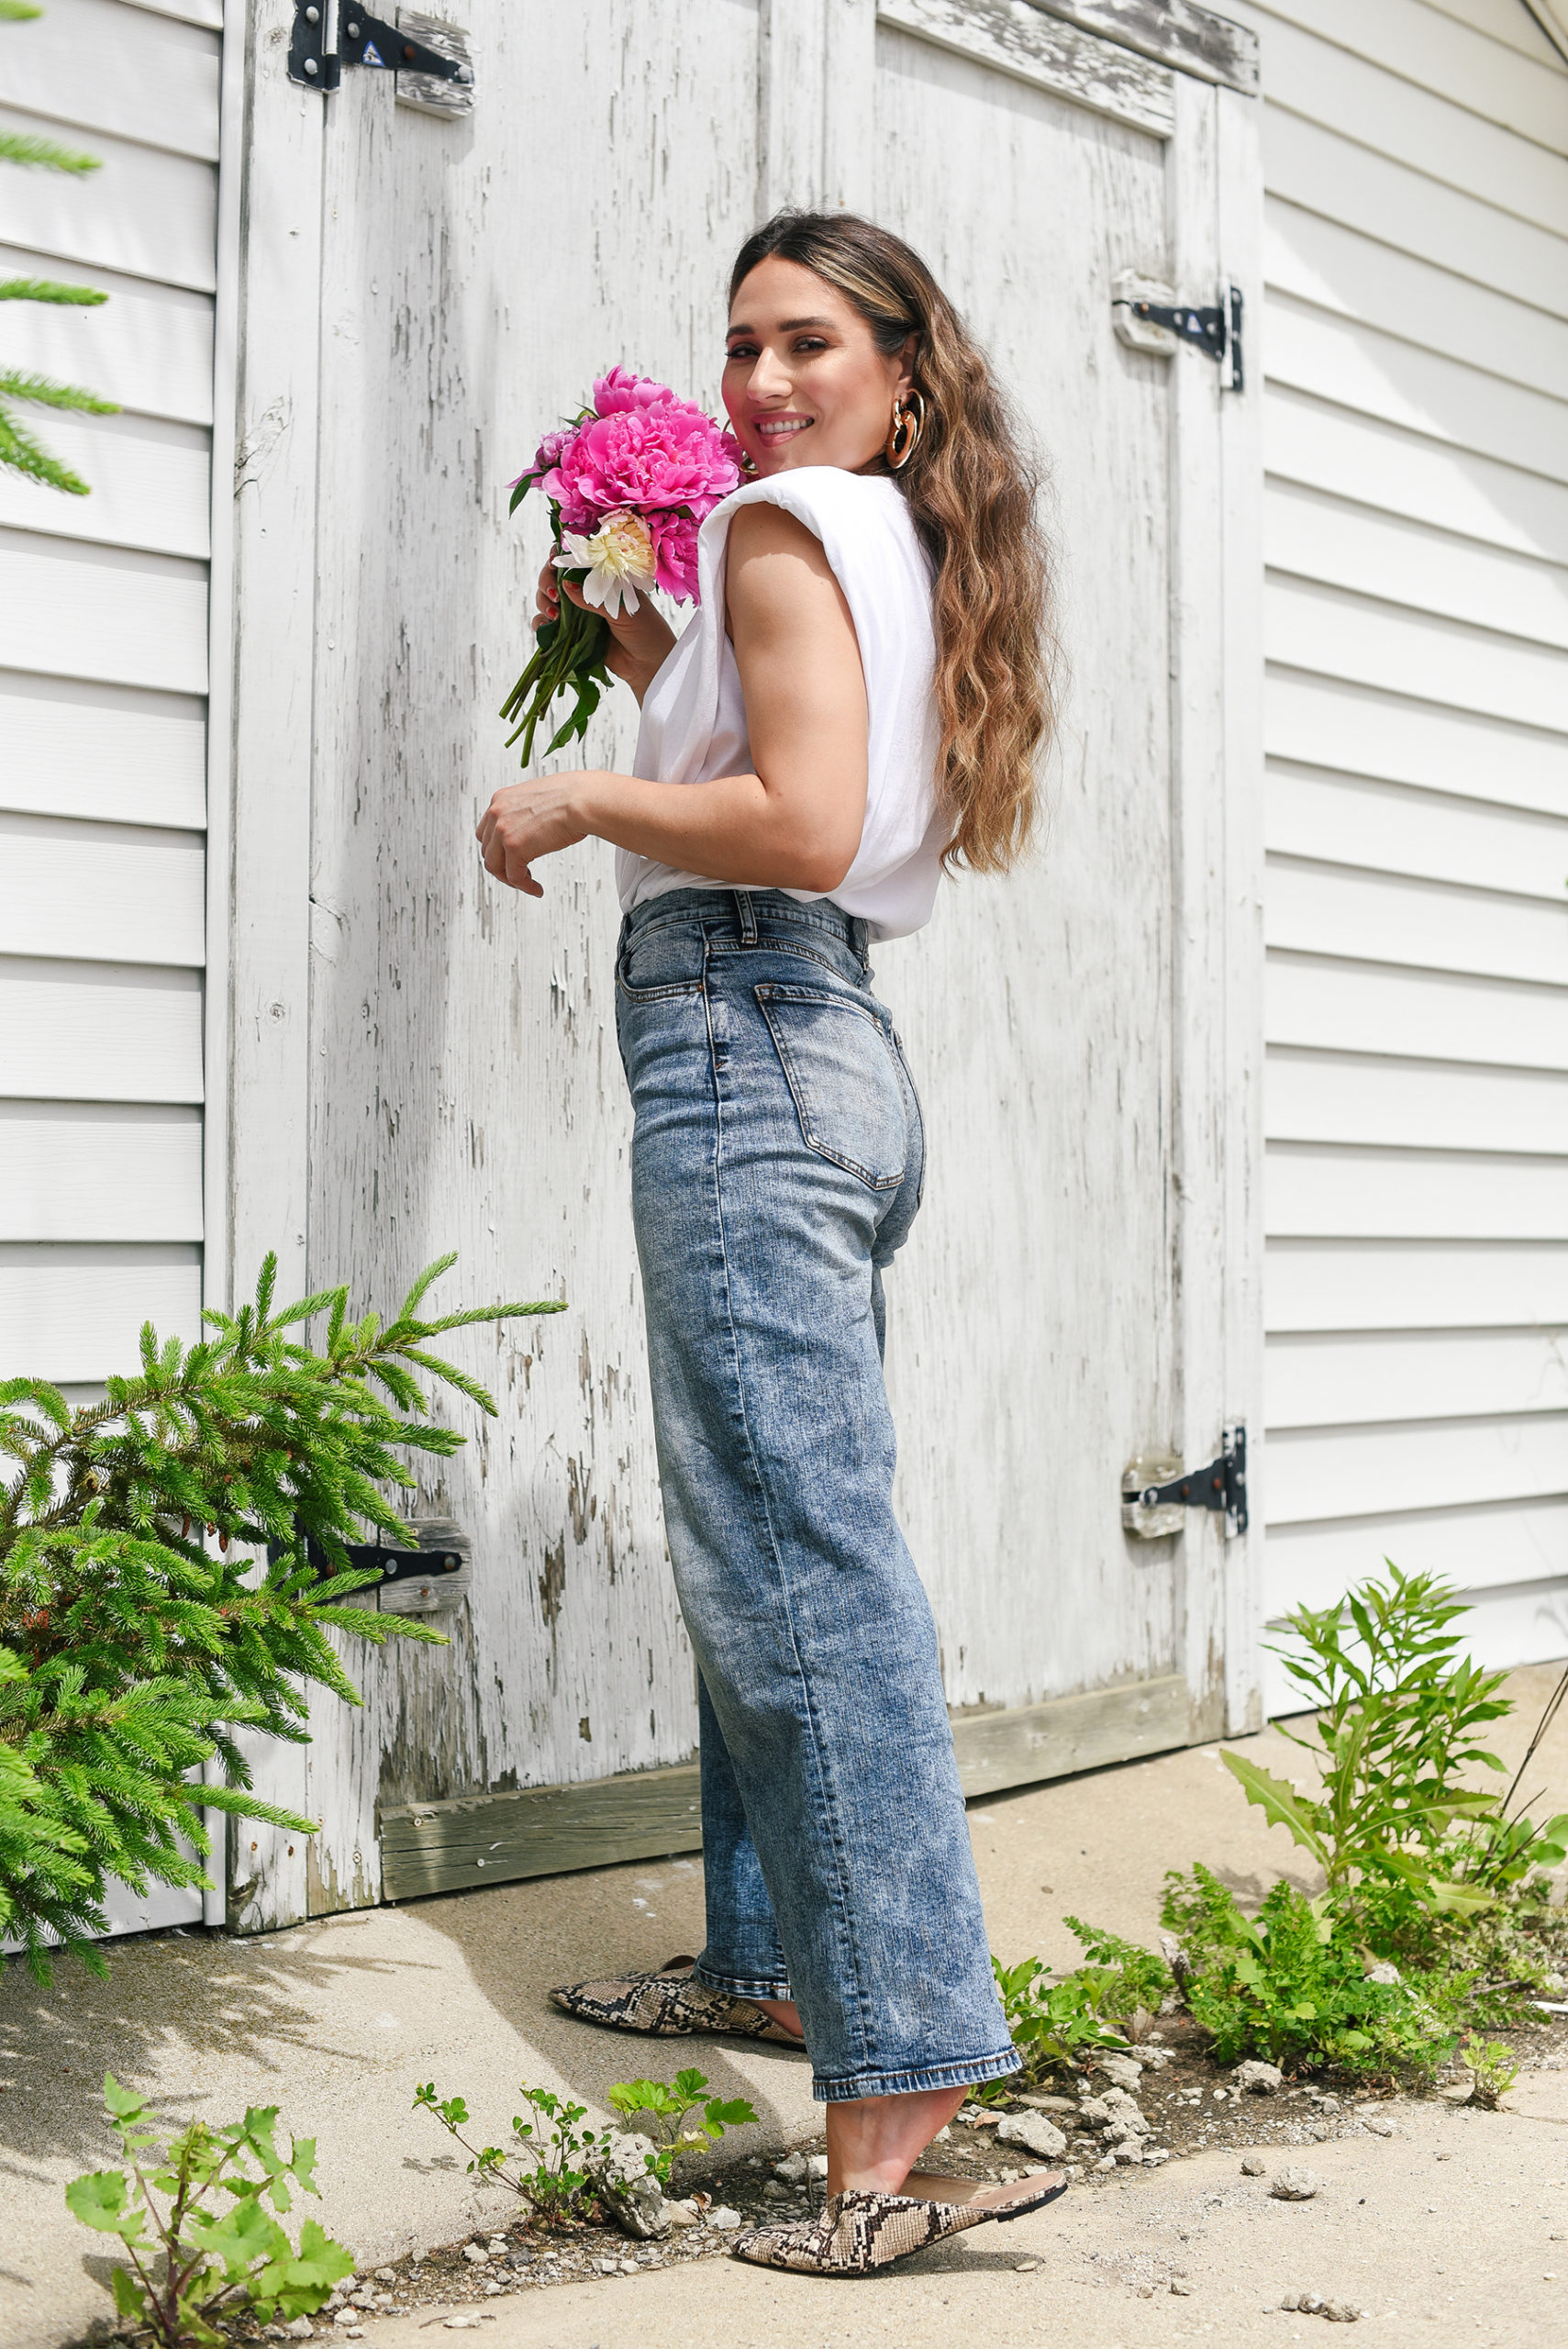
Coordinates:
768 378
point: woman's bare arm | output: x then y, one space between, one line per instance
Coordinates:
795 822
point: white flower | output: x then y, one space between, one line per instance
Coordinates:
618 559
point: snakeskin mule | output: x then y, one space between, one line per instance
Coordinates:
855 2233
669 2004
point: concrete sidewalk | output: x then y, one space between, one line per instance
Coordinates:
337 2022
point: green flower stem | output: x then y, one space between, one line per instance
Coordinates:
570 650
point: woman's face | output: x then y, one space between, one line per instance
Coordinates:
803 382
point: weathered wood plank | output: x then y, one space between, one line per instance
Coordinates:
1014 38
1195 41
645 1814
1025 1745
549 1831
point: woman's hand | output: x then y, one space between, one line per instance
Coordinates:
640 641
529 819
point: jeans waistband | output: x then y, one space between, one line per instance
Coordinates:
740 916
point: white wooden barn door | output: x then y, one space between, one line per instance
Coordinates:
103 704
422 1060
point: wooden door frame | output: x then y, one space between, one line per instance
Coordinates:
259 1033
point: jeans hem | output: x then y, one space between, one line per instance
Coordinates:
735 1985
915 2082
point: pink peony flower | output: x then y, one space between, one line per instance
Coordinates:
675 540
644 457
619 390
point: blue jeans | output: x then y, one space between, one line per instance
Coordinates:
776 1166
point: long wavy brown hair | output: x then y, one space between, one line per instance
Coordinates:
972 487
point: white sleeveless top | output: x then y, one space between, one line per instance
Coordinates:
694 714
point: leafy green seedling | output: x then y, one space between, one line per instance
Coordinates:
669 2109
195 2264
548 2170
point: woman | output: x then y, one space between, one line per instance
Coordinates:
857 702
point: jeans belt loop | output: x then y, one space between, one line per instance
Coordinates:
748 915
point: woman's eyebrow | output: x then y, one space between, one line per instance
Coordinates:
786 326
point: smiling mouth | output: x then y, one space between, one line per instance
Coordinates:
774 428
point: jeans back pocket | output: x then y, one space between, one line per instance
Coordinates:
838 1065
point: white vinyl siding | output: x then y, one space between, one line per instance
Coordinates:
103 712
1414 378
102 678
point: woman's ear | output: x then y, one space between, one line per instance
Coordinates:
906 380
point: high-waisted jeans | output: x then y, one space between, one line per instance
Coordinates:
776 1166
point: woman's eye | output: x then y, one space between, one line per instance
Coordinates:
810 343
741 350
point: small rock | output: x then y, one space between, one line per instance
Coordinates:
491 2286
621 2167
1258 2079
1183 2290
1121 2070
1129 2153
346 2316
1047 2103
776 2192
1107 2164
1025 2266
1145 2291
1254 2168
1295 2185
682 2214
816 2167
1155 2156
1033 2130
943 2135
792 2169
1094 2111
476 2252
300 2330
724 2219
1376 2123
386 2274
1152 2058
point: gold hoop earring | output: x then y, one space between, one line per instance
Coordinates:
904 432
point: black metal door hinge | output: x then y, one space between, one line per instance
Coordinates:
1148 316
1153 1508
320 48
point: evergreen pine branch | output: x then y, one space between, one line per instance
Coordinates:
21 383
49 289
131 1649
44 154
21 453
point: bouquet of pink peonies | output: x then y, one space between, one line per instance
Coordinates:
628 481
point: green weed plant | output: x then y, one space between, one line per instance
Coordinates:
199 2222
548 2165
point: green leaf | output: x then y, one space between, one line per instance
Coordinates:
1281 1804
102 2200
1456 1899
130 2299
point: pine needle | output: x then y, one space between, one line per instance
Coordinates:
21 453
44 154
21 383
48 289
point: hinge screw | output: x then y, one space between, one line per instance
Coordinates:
313 15
310 66
353 32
